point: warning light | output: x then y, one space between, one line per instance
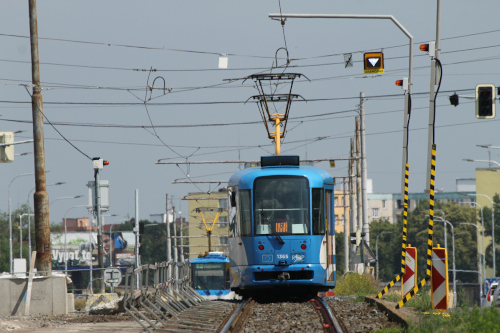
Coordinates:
429 47
106 162
403 83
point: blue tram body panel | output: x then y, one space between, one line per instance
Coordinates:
281 228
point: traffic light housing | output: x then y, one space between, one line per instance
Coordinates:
353 238
485 101
6 152
454 99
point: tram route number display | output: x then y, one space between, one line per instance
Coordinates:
281 227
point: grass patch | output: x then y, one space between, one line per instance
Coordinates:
421 301
392 296
356 285
80 304
459 321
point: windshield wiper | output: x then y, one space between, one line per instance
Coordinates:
278 237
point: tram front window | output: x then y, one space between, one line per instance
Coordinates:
209 276
281 205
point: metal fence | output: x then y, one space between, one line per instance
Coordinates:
161 291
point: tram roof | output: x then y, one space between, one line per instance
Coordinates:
245 178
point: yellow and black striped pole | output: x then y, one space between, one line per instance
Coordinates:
430 233
405 222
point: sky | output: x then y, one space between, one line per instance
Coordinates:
97 59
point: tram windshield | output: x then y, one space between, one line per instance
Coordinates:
209 276
281 205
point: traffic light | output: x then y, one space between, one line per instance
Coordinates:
485 101
454 99
141 231
353 238
6 152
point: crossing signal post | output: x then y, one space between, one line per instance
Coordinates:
485 101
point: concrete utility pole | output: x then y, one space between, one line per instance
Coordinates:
364 180
352 199
345 181
98 165
169 242
41 198
359 185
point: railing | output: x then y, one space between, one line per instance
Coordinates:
160 290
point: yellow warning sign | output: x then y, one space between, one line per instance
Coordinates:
332 163
374 62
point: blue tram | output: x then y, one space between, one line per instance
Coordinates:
281 231
209 275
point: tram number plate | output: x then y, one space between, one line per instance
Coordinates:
281 227
282 256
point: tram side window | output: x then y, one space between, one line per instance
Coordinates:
245 207
232 211
318 211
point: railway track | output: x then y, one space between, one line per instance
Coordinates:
306 316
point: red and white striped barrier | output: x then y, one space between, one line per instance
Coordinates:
439 279
410 278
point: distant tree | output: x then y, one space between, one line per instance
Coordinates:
339 253
488 232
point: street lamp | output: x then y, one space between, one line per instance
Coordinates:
10 219
65 242
453 250
492 227
482 228
444 217
21 233
487 161
475 225
376 247
62 198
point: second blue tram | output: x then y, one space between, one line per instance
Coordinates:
281 231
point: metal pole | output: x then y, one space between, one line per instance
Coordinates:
480 282
492 229
176 258
21 236
453 250
364 176
10 222
41 198
169 241
346 227
432 103
29 237
90 249
181 239
482 231
445 232
137 244
100 250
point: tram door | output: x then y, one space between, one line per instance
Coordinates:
330 237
